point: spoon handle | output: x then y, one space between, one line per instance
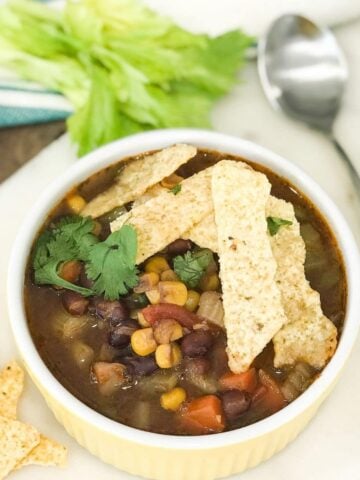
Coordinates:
355 177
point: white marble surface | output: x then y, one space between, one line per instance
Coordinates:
329 448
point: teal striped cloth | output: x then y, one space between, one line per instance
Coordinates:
23 103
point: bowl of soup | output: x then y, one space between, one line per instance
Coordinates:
184 300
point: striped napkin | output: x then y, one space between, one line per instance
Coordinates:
23 102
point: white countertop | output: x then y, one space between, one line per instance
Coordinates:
330 447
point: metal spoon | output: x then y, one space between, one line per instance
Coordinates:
303 72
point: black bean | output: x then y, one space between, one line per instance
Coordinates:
196 366
85 280
235 403
139 366
197 343
115 312
120 335
74 303
179 246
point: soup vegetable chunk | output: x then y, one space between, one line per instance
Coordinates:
185 292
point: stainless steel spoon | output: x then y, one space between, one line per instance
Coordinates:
303 72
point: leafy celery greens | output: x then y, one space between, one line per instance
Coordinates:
123 67
192 266
110 264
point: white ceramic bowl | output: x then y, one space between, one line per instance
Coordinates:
153 455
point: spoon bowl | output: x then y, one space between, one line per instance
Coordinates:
302 70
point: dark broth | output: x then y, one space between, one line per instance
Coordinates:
324 270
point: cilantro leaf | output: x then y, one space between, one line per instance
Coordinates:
175 189
51 250
111 264
275 223
78 230
192 266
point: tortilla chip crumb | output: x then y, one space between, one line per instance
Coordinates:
16 441
252 300
47 453
138 176
11 387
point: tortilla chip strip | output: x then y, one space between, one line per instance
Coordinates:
11 387
16 441
252 300
152 192
164 218
46 453
308 335
139 175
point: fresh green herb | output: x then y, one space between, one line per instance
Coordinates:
67 241
192 266
123 67
111 263
275 223
175 189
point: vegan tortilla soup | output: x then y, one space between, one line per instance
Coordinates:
185 292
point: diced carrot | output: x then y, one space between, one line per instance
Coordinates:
239 381
162 311
203 415
267 398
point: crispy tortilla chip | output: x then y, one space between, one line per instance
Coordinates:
46 453
152 192
309 336
204 233
163 219
252 300
16 441
11 387
139 175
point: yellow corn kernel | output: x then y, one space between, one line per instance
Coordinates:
142 320
143 342
157 264
147 281
76 202
168 355
153 296
173 292
171 181
210 282
173 399
192 300
169 276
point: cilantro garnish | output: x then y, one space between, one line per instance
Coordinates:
275 223
66 241
175 189
192 266
111 264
